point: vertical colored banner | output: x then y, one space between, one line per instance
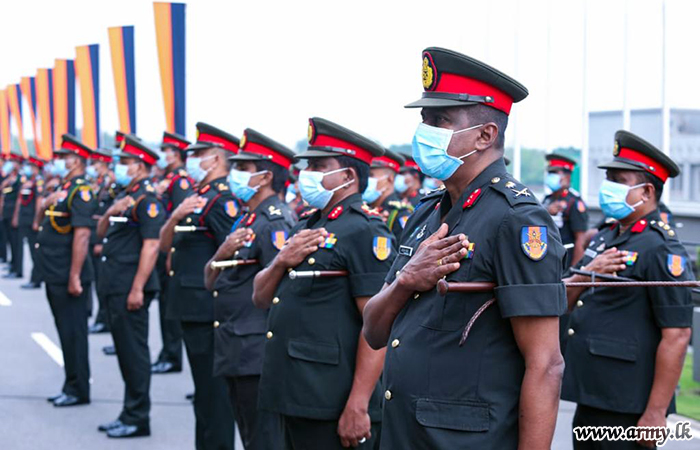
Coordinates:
87 69
13 97
63 99
28 87
44 100
170 38
121 44
5 140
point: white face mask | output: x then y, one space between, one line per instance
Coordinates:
312 190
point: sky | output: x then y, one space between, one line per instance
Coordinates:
270 65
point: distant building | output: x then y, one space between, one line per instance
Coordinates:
647 123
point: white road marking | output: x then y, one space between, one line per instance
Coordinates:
49 347
4 300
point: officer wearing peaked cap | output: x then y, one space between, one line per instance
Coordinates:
192 234
62 247
130 228
318 372
626 347
482 369
10 193
409 182
31 189
260 172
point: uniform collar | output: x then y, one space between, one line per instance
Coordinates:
272 200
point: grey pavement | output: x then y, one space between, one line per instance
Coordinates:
28 375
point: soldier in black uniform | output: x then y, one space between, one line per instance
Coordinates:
318 371
258 177
4 173
409 182
627 345
192 234
499 389
173 189
565 205
32 189
380 194
62 246
10 190
131 228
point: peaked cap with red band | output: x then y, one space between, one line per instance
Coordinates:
118 138
102 155
258 147
209 136
36 161
559 162
409 164
389 160
634 153
71 146
328 139
133 147
454 79
15 155
175 141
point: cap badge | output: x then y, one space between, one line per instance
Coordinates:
242 142
428 72
616 150
311 132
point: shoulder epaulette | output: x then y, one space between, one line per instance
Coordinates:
222 187
273 212
664 229
515 192
371 212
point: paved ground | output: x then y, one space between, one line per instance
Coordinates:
28 375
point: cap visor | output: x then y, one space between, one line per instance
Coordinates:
62 152
195 147
316 154
122 155
437 103
243 156
620 166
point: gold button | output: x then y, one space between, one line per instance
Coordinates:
216 324
215 294
495 180
398 272
312 261
661 224
171 273
671 233
41 228
276 300
172 249
653 222
269 335
189 220
571 332
236 253
579 303
36 245
415 297
395 343
387 395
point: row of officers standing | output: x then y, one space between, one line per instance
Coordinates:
309 309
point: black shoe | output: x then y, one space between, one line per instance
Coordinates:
69 400
53 398
110 426
129 431
109 350
31 285
165 367
98 327
12 276
190 396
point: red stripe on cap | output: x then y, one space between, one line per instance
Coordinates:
329 141
411 164
211 139
137 152
80 151
176 142
100 157
652 166
37 162
387 162
458 84
561 163
275 157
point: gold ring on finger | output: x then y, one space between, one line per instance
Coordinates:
439 262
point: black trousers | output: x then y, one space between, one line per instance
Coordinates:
309 434
215 426
260 430
3 241
13 239
170 330
586 416
102 307
71 322
26 232
130 335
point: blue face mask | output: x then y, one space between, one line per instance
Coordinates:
371 194
8 167
430 151
91 172
400 185
553 181
238 182
613 199
312 190
121 175
430 184
59 168
194 168
162 163
27 171
291 194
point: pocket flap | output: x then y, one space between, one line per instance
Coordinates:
319 352
246 327
461 416
613 348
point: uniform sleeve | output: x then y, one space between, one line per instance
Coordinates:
274 234
221 217
528 264
578 216
672 306
368 256
83 206
151 217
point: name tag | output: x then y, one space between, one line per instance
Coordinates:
405 250
590 253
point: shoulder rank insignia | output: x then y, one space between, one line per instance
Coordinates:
274 211
149 188
675 265
518 193
184 184
581 207
85 195
330 241
381 247
230 208
279 238
222 187
370 211
533 241
153 210
337 211
630 258
471 199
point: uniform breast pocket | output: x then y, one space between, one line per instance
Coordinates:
450 313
